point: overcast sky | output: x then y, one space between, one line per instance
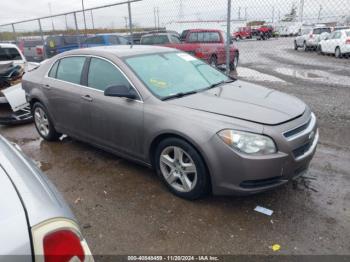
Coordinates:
169 10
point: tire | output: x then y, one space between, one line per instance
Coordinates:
338 53
43 123
234 63
213 61
296 46
319 50
169 155
306 49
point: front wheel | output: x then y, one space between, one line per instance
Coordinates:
213 61
43 123
295 46
182 169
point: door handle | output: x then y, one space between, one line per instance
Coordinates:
47 86
87 98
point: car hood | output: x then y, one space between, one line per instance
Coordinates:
245 101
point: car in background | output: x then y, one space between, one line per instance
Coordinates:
337 28
60 43
32 49
338 44
36 222
105 40
201 130
309 38
206 44
160 39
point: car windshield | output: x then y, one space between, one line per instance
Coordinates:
7 54
176 73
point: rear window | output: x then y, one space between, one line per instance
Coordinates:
98 40
70 69
155 40
319 31
10 53
206 37
31 43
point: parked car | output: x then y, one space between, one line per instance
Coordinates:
32 49
206 44
201 130
260 33
105 40
12 67
309 38
60 43
338 44
36 223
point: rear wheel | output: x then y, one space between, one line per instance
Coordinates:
234 63
43 123
338 53
213 61
295 45
305 47
181 168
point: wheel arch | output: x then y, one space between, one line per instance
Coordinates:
160 137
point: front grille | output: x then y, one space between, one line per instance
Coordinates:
260 183
297 130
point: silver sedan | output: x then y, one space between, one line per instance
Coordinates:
199 129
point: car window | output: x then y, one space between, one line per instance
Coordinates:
103 74
214 37
9 53
175 39
70 68
147 40
172 73
319 31
98 40
31 43
193 37
123 40
305 31
348 33
53 71
113 40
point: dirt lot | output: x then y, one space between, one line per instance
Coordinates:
124 209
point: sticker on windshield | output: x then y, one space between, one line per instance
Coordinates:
186 57
158 83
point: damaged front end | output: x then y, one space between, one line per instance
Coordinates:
14 108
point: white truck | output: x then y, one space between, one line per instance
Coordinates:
13 105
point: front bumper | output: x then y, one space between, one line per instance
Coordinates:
234 173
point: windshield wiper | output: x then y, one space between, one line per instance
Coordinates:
220 83
179 95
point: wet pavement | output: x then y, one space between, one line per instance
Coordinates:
124 209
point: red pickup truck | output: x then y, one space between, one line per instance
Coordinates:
206 44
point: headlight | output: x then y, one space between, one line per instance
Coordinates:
248 143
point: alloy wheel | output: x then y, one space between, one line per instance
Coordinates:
178 169
41 121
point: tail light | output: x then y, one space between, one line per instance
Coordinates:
347 42
200 53
311 36
60 240
39 51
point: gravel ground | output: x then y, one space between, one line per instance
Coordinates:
124 209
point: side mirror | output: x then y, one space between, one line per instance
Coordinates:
120 91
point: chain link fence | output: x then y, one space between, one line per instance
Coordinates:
247 18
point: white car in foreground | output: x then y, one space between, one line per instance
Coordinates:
338 43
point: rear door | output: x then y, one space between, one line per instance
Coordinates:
14 229
115 123
64 92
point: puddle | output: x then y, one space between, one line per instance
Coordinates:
298 73
250 74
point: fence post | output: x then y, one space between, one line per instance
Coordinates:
130 24
14 33
228 40
42 38
77 29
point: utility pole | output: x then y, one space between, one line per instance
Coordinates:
126 22
239 13
228 37
50 10
158 17
82 4
319 13
65 19
273 14
155 17
245 13
92 19
301 10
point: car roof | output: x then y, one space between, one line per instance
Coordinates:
6 45
120 51
154 34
